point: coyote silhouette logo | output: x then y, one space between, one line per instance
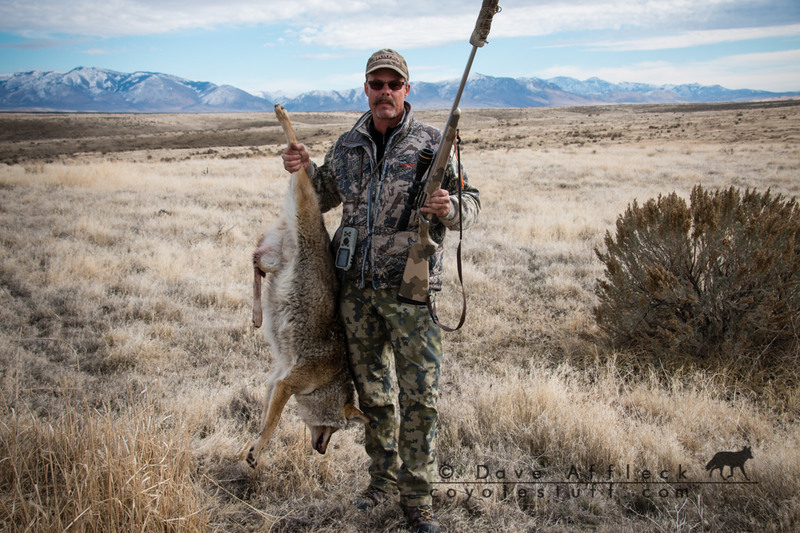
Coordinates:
731 460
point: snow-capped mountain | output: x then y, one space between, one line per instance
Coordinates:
350 100
100 90
595 88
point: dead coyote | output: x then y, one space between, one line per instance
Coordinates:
303 325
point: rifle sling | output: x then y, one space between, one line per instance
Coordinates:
432 301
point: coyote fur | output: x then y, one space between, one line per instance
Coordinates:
731 460
303 325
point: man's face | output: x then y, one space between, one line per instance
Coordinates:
386 103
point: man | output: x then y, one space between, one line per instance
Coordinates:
368 170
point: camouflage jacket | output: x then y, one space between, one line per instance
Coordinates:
373 199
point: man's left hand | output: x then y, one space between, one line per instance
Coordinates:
438 204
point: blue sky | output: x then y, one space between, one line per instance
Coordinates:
301 45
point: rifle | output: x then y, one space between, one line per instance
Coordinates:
414 288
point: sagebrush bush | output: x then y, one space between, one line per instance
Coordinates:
718 277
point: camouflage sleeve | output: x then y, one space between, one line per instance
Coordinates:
324 181
470 200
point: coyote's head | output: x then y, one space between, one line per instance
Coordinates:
329 409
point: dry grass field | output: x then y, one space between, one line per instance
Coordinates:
131 377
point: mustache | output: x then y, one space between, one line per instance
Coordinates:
384 100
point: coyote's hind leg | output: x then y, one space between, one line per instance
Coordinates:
268 254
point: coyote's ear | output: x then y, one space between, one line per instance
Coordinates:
353 414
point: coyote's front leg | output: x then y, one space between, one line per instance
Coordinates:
277 401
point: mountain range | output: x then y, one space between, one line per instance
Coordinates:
86 89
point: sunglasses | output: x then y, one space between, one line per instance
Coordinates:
377 85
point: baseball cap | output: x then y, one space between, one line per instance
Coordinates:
388 58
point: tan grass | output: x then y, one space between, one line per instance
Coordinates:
98 470
130 377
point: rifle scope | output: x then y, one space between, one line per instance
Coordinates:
424 160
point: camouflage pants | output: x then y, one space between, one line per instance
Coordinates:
382 333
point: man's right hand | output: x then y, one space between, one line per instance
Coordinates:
295 157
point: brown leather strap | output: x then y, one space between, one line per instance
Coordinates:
432 301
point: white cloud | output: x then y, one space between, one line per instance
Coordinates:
357 24
430 24
108 18
697 38
98 52
43 44
423 23
361 33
